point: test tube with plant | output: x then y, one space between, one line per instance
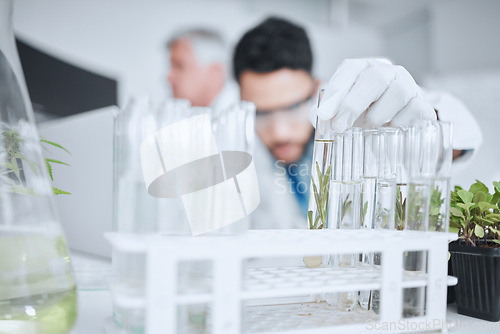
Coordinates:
439 204
317 212
385 191
369 177
402 170
424 153
349 204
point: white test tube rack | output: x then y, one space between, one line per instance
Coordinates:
233 285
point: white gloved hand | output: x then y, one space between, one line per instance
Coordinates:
370 93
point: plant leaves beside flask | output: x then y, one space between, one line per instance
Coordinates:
11 167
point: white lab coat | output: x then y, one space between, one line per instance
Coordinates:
229 94
467 134
278 208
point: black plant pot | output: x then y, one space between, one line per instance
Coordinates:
477 293
451 289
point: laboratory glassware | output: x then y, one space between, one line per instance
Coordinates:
385 191
37 289
402 174
369 178
321 171
439 209
424 153
349 203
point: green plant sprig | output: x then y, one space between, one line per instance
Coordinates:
11 170
476 213
321 196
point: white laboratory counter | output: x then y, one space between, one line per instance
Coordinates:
95 307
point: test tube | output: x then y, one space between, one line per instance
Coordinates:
317 212
439 204
424 152
385 191
369 177
402 174
349 170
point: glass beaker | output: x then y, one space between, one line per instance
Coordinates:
37 289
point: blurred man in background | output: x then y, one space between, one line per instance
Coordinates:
273 66
198 69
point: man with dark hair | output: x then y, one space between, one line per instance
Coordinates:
272 64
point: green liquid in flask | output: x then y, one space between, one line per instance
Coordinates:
37 290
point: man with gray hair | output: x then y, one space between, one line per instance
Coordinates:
198 69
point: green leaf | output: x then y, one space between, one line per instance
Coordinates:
497 186
479 231
457 212
56 162
493 216
466 207
485 206
318 200
492 229
319 174
54 144
479 196
495 198
316 222
49 168
59 191
465 196
496 241
479 186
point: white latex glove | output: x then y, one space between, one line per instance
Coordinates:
370 93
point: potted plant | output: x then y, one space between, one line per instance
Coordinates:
475 257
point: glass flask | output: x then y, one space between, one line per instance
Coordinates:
37 289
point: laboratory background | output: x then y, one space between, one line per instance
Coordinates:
445 45
85 61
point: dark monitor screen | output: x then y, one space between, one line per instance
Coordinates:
58 88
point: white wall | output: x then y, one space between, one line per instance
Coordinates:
125 38
479 91
465 35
